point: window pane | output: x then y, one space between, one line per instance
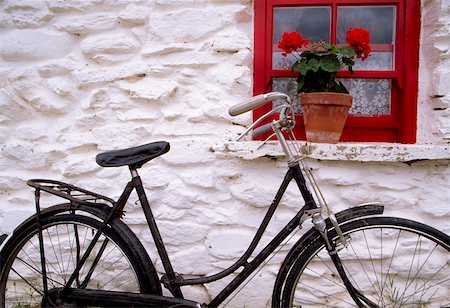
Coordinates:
288 86
380 21
310 22
370 97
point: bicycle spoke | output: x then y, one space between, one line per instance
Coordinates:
390 262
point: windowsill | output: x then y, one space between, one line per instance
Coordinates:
362 152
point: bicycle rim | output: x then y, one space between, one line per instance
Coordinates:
393 262
65 238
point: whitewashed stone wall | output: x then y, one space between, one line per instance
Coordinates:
81 77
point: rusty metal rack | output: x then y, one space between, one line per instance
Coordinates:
70 192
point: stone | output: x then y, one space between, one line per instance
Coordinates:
134 14
149 89
38 94
171 26
231 42
12 110
160 49
58 67
112 43
94 75
29 156
228 243
87 23
192 261
26 45
183 233
64 5
11 183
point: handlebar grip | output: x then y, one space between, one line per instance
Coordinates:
261 130
255 102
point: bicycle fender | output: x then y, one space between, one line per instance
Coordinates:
363 210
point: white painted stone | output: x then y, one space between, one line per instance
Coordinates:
112 43
200 22
11 217
227 243
10 5
58 67
26 45
26 154
150 89
192 261
63 86
27 13
37 93
63 5
231 42
29 19
89 76
86 23
10 183
12 110
183 233
157 49
134 14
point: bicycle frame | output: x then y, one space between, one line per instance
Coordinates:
173 281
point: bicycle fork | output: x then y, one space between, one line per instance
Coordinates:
333 247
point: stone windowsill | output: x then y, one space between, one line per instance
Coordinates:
364 152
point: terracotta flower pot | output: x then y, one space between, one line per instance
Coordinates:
324 115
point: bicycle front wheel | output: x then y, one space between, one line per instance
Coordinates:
113 265
393 262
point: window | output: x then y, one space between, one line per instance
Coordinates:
384 86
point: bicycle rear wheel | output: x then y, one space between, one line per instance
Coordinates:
114 264
393 262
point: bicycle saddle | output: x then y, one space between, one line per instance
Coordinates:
134 157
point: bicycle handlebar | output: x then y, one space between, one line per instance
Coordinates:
262 130
255 102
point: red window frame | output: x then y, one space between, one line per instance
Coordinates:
401 124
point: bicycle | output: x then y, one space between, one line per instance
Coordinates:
80 253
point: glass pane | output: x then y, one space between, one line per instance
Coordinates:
310 22
370 96
380 21
288 86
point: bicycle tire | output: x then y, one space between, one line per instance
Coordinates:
413 271
122 267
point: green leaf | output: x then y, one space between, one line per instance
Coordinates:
314 64
296 66
346 51
349 62
329 64
300 83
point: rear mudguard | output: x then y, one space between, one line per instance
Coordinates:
364 210
100 212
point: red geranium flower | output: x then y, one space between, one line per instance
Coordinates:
291 41
318 63
359 40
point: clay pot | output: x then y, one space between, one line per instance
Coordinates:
324 115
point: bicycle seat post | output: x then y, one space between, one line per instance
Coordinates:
169 278
134 173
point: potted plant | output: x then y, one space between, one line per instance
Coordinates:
324 99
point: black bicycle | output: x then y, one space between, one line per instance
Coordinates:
80 253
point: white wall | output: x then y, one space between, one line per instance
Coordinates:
81 77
